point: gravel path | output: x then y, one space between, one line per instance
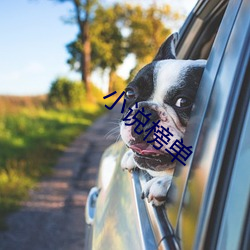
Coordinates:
53 218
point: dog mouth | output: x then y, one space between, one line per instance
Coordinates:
150 158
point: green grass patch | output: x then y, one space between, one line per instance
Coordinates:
30 143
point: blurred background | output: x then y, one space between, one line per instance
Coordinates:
58 59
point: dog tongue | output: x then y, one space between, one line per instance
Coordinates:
144 149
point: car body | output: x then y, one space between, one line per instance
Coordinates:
208 203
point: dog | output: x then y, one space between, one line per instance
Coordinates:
166 90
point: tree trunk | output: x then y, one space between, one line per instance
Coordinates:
111 81
86 57
86 45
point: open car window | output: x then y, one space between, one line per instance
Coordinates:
210 27
206 19
196 41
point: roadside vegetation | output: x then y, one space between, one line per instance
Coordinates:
34 131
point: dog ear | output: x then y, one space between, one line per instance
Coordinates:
167 49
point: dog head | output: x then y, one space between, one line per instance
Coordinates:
165 89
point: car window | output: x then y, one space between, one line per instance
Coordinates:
179 220
203 94
204 23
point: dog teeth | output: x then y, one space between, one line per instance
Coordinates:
152 155
155 155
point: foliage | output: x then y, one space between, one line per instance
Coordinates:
74 49
97 95
147 30
82 15
108 48
119 30
31 138
67 93
117 83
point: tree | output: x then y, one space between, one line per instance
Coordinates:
83 15
119 30
108 48
148 31
108 44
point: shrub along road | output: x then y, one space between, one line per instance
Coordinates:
53 217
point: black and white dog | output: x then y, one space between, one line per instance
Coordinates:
166 89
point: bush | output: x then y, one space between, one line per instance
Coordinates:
119 84
65 92
96 93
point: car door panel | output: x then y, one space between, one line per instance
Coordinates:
120 219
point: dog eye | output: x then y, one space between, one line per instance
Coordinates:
130 94
183 102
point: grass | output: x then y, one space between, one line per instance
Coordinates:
31 139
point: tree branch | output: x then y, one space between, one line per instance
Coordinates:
78 14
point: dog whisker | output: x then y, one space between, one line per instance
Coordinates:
113 132
118 138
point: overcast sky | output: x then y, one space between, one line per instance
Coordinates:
32 44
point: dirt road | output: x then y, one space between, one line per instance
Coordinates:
53 218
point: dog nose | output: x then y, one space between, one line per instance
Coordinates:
146 116
147 120
153 117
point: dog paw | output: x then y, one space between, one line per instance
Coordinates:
127 162
156 189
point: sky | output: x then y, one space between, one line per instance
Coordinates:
32 44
